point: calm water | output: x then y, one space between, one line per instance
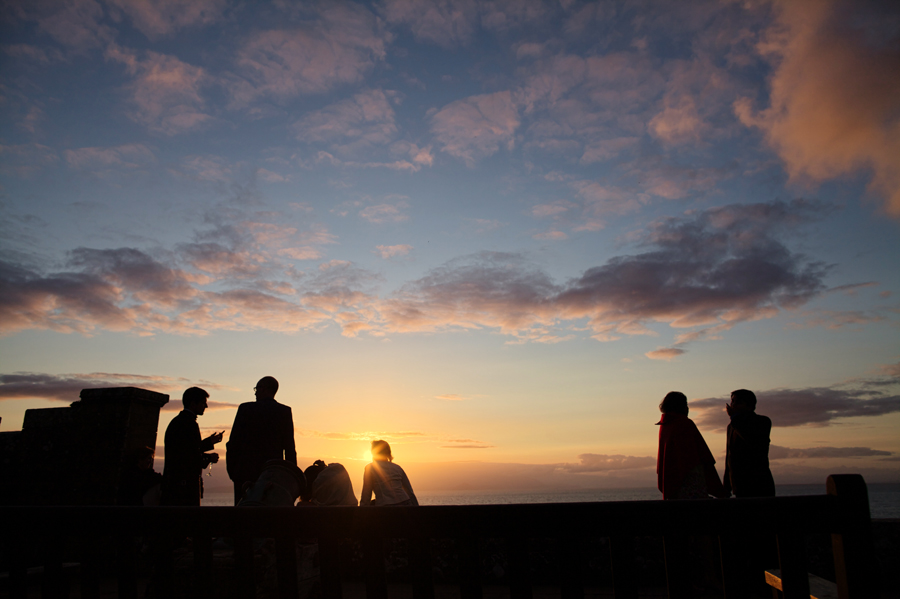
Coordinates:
884 499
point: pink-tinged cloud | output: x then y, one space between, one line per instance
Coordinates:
550 236
593 462
164 17
816 406
451 397
67 387
786 453
75 24
665 353
834 95
26 160
350 126
476 127
98 160
447 23
385 213
607 149
713 268
338 46
678 122
166 92
392 251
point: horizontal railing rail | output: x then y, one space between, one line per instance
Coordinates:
843 513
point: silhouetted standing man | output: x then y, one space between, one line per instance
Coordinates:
182 482
747 471
263 430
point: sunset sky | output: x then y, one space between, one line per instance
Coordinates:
493 233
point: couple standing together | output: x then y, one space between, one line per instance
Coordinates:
263 430
686 468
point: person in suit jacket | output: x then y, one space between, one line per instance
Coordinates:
747 471
185 459
263 430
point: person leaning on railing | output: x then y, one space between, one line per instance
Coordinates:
685 467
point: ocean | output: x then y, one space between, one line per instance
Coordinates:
884 498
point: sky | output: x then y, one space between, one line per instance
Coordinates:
493 233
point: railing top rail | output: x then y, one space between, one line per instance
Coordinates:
804 514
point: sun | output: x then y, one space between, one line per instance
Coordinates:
367 455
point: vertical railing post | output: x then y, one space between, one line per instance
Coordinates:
622 563
469 568
203 558
420 564
90 567
373 557
518 575
571 568
245 580
852 547
792 559
286 567
53 584
330 567
125 564
678 567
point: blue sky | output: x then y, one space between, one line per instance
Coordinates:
491 232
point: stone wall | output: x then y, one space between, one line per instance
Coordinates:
75 455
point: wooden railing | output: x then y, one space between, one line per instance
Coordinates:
843 513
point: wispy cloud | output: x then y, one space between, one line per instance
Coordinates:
814 406
392 251
385 213
67 387
786 453
166 92
164 17
336 45
594 462
476 127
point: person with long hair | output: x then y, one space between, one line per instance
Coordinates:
385 479
685 467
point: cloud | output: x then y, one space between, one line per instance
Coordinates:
466 446
363 435
165 91
551 236
665 353
814 406
786 453
337 46
447 23
385 213
102 160
75 24
476 127
391 251
350 126
713 268
833 95
26 160
451 397
164 17
67 387
594 462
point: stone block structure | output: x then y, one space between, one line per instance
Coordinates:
76 455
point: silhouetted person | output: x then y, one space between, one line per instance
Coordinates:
386 479
263 430
140 483
327 484
685 467
747 471
182 482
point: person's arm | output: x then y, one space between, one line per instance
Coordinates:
290 449
365 497
404 480
233 447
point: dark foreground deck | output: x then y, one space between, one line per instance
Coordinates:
710 548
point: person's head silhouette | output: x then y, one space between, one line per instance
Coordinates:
675 402
381 450
743 399
194 399
266 388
